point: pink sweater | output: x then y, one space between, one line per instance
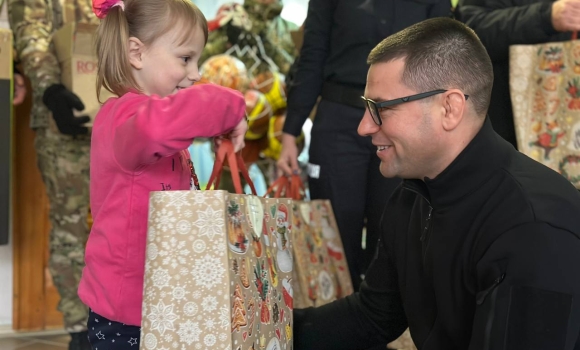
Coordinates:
136 148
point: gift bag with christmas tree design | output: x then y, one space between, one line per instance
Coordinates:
321 272
545 94
218 271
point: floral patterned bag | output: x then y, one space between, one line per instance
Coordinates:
545 93
218 269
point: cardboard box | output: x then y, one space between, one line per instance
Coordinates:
75 49
6 66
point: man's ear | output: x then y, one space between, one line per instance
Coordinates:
454 105
136 48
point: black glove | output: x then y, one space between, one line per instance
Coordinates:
61 102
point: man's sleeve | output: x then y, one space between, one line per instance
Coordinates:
308 79
372 316
499 24
528 291
32 24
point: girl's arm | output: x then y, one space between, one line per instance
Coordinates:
160 127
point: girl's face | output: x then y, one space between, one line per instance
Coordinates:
167 65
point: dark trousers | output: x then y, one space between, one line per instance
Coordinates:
105 334
350 177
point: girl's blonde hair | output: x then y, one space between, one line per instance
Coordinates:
146 20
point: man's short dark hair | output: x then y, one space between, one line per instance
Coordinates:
440 53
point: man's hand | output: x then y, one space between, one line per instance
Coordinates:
566 15
61 102
19 89
288 161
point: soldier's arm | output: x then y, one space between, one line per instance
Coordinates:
32 24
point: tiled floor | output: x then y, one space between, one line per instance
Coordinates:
34 341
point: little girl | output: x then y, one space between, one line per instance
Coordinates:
148 52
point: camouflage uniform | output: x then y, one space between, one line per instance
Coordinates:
63 160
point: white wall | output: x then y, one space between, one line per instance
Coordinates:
5 250
294 10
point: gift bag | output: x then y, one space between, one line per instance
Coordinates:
545 93
218 271
321 272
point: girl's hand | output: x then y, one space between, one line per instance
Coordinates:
236 136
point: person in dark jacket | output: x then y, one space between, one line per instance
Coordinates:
338 35
480 245
501 23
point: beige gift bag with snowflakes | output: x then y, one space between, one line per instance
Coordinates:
218 272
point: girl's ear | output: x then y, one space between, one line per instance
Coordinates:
136 48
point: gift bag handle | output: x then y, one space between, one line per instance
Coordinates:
289 187
280 186
237 165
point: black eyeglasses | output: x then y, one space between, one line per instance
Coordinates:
374 106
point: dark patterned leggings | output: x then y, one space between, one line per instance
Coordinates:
105 334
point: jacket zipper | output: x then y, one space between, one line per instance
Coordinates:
427 232
480 299
427 229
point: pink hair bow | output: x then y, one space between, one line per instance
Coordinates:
102 7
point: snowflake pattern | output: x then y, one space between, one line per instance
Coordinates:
199 246
190 309
208 271
179 200
189 332
224 317
210 223
183 227
152 251
210 324
187 301
162 317
209 340
160 278
174 252
164 220
209 303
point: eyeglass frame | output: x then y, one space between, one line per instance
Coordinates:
373 106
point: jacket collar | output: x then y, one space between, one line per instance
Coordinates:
486 153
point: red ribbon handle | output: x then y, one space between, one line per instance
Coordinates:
287 187
237 165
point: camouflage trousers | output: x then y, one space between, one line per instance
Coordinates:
64 164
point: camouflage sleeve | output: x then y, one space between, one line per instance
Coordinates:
32 24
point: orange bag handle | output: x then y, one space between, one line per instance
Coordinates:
237 165
280 185
290 187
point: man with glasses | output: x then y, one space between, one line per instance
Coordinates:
479 246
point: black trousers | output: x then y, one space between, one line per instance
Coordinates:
105 334
349 176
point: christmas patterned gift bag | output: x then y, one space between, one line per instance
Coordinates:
321 273
218 271
545 93
321 267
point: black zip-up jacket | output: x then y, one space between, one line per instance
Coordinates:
499 24
484 256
